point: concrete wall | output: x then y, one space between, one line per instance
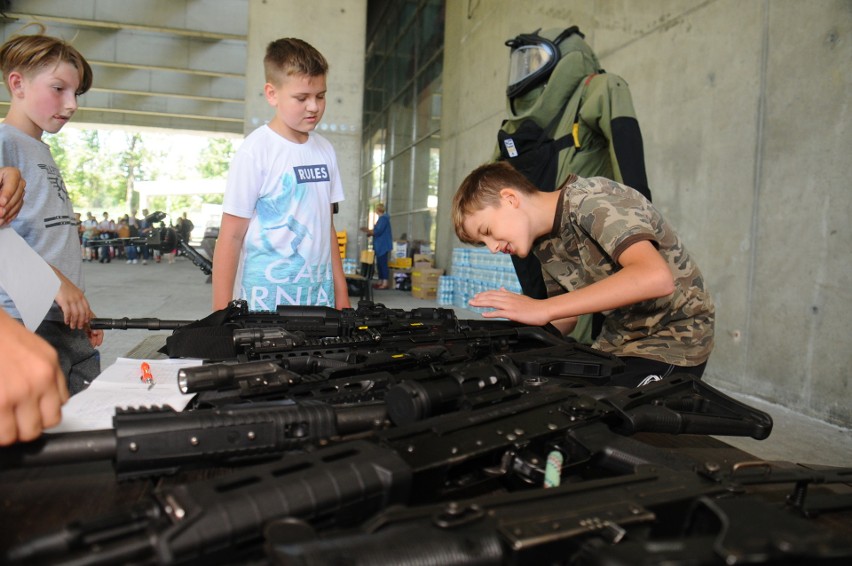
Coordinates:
744 109
337 30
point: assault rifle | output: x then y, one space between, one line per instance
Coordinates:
652 515
236 331
159 441
358 369
457 455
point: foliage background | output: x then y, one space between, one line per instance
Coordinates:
100 166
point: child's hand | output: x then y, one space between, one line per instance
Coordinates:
72 301
11 193
33 386
513 306
96 337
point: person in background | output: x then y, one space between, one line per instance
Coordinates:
130 248
145 230
184 228
277 242
90 233
44 76
106 231
382 245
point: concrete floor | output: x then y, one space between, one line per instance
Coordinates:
180 291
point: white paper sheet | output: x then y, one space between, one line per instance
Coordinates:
26 277
119 386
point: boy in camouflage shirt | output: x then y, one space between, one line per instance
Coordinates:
612 249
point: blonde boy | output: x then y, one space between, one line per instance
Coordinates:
44 76
614 252
277 243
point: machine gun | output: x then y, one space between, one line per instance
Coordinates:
159 441
161 239
362 368
452 456
652 515
234 330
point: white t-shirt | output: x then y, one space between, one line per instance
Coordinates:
286 189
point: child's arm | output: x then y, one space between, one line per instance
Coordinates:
341 289
11 193
70 298
33 386
644 275
226 257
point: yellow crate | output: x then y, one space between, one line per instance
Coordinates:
400 263
341 243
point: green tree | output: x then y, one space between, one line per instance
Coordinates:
133 164
215 158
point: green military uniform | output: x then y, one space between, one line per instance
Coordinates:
575 119
597 221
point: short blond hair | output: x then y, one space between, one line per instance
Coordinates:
30 54
481 188
291 56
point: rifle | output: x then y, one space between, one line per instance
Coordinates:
213 336
156 441
333 366
451 456
652 515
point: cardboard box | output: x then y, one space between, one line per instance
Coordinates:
424 291
400 249
425 276
424 258
368 256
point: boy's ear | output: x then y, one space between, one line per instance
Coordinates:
511 197
270 93
16 83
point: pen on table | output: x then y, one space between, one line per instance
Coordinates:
147 376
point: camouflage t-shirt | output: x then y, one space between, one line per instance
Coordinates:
598 220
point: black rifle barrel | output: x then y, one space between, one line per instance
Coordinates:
136 323
156 441
60 448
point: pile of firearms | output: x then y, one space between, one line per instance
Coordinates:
384 436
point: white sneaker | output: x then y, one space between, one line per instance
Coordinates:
144 262
135 261
129 261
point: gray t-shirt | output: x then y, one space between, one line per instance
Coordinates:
46 221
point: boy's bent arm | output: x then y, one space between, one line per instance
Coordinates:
644 275
11 193
226 257
341 289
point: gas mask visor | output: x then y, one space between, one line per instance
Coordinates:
531 61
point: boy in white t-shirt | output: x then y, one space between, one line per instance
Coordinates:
277 243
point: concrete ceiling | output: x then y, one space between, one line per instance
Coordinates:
176 64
